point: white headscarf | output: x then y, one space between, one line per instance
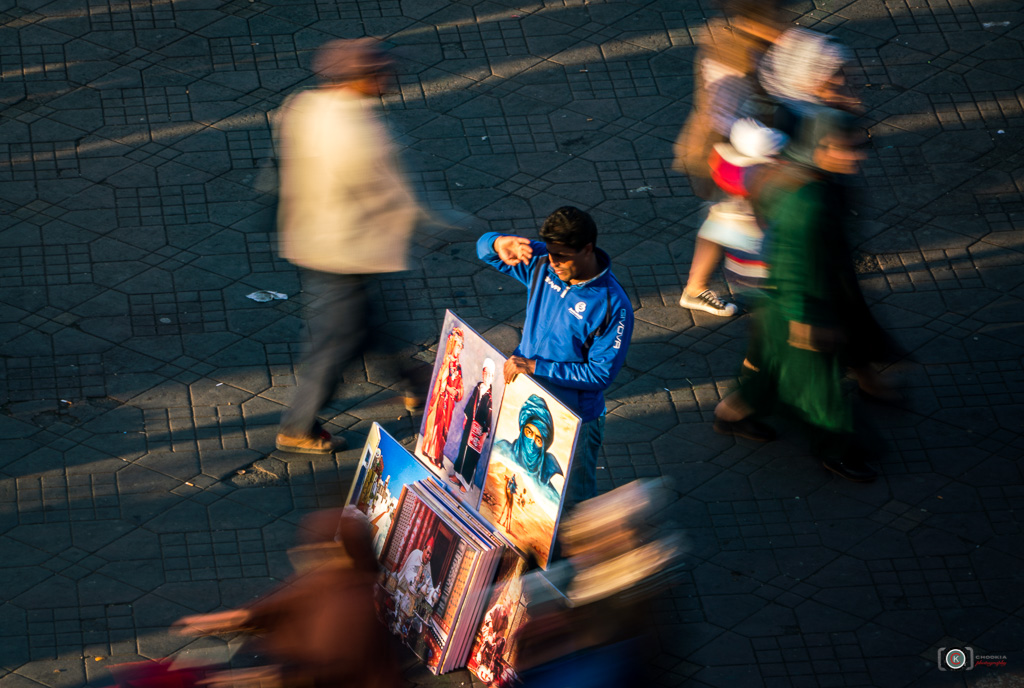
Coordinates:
798 64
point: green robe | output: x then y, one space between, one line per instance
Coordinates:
808 283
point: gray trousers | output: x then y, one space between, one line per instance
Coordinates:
337 334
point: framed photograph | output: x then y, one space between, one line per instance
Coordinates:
461 409
385 468
534 440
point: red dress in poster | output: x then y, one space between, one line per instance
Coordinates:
447 391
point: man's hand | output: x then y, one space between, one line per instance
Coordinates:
811 338
211 624
513 250
516 365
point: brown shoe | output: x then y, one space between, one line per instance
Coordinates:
324 443
413 403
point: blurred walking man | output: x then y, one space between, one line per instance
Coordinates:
578 324
345 211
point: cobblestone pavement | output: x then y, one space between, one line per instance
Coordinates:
140 387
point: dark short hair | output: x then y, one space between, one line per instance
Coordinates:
569 226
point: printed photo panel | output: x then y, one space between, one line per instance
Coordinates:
492 657
530 461
385 468
461 409
425 569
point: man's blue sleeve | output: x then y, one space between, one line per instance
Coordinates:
485 252
606 357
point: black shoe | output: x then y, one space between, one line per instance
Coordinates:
851 468
747 427
890 397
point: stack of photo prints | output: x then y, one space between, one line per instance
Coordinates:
453 525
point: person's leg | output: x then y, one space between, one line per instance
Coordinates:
337 331
582 482
734 414
706 257
696 295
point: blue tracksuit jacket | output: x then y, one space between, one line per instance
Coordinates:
577 333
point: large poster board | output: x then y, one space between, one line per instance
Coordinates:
385 468
461 409
492 657
437 556
526 439
530 461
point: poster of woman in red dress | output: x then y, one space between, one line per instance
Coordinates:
446 392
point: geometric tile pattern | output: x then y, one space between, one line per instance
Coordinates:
59 499
26 266
140 389
213 556
249 148
42 160
187 312
239 53
185 429
826 659
65 377
168 205
132 105
54 633
111 15
509 135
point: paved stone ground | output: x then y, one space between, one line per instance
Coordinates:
140 387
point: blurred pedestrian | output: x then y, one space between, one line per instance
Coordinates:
725 89
578 325
813 311
589 617
319 628
346 211
804 73
731 223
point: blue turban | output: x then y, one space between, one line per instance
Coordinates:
540 464
535 412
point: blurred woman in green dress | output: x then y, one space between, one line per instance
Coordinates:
813 322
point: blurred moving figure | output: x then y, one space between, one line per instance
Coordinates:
345 211
731 223
725 89
804 72
814 318
320 627
588 622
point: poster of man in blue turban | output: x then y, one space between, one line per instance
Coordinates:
534 440
530 450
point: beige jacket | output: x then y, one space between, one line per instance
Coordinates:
723 76
345 205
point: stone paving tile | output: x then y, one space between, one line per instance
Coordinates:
140 388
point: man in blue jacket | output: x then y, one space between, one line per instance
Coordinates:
578 324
